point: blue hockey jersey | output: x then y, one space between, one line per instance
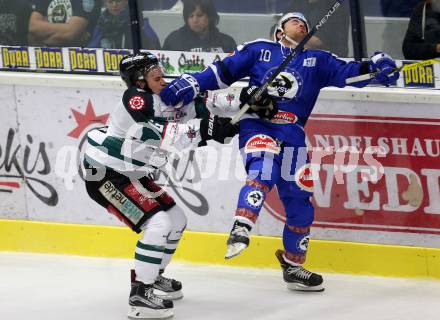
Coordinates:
296 88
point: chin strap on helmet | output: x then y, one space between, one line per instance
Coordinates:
285 36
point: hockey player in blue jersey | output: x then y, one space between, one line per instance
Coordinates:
273 142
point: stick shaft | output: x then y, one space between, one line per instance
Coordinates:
369 76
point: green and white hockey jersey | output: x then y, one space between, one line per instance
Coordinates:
142 131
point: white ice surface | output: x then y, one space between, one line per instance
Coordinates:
58 287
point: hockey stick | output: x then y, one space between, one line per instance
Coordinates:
370 76
245 105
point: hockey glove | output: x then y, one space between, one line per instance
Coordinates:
183 89
218 129
384 65
264 107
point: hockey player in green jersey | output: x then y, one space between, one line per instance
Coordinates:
119 162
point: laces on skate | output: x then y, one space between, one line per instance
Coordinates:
168 288
298 278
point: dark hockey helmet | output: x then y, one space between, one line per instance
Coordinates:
134 66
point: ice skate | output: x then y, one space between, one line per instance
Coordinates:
144 304
167 288
238 239
298 278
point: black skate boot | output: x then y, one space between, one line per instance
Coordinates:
168 288
298 278
238 239
144 304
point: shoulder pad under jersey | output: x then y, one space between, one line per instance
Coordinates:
322 52
263 43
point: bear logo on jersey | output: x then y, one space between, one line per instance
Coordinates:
255 198
136 103
286 84
303 243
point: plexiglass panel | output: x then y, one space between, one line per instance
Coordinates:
220 25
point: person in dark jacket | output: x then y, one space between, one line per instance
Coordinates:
422 39
397 8
113 29
200 32
62 23
14 22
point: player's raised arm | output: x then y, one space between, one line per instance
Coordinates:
380 66
219 75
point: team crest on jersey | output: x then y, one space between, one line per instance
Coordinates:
229 98
136 103
191 133
303 243
260 143
304 178
254 198
285 85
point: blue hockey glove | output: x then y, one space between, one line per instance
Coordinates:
183 89
384 65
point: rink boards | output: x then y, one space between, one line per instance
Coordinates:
361 204
209 248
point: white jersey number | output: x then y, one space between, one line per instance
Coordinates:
264 55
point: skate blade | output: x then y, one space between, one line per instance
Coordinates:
175 295
300 287
235 249
136 313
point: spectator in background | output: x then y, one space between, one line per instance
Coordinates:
422 38
63 23
200 32
114 28
334 37
397 8
14 22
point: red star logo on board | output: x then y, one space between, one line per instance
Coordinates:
86 119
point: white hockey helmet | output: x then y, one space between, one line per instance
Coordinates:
275 33
293 15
